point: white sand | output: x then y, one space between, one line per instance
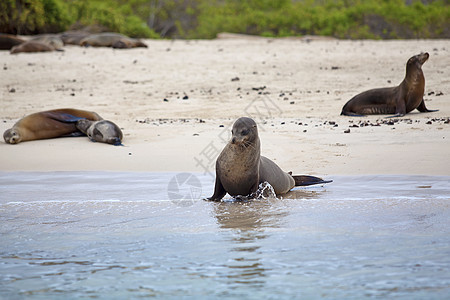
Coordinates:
128 87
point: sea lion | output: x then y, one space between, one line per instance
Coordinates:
111 39
73 37
240 168
53 40
48 124
398 100
7 41
103 131
32 46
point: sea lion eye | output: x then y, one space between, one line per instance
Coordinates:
244 132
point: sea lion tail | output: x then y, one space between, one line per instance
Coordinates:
302 180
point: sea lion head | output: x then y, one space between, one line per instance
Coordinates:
417 60
244 132
103 131
11 136
140 44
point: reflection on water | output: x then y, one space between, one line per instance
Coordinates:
248 221
120 236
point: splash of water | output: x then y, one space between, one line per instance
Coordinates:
265 191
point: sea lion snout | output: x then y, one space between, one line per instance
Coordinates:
423 57
114 141
418 59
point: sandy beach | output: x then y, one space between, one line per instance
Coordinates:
176 101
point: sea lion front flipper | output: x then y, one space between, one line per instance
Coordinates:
303 180
395 116
62 117
219 191
74 134
423 108
400 109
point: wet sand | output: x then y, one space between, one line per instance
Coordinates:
176 102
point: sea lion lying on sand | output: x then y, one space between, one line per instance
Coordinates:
53 40
31 47
103 131
48 124
73 37
111 39
7 41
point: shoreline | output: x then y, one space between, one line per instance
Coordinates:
274 81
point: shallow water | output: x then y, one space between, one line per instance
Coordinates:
67 235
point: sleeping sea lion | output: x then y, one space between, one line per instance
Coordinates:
7 41
103 131
48 124
73 37
52 40
111 39
240 168
32 46
398 100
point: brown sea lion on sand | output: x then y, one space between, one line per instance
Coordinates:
7 41
111 39
398 100
103 131
48 124
32 46
74 37
240 168
53 40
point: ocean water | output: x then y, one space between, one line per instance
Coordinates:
108 235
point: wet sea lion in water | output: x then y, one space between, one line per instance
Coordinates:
240 168
103 131
32 46
111 39
398 100
7 41
48 124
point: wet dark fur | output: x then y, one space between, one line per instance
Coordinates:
240 168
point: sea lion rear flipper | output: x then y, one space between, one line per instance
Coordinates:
62 117
423 108
303 180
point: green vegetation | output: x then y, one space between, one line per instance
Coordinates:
354 19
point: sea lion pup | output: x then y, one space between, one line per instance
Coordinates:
53 40
48 124
103 131
73 37
398 100
240 168
111 39
7 41
32 46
